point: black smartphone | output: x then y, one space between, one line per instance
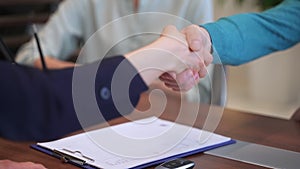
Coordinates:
178 163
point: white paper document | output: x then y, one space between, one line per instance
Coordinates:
136 143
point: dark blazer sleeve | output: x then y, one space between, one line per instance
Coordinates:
38 106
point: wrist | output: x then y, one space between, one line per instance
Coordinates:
171 51
157 58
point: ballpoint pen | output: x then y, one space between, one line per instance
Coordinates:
6 52
39 48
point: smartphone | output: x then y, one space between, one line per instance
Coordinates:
178 163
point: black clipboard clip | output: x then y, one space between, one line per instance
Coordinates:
66 158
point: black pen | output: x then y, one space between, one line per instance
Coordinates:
6 52
39 48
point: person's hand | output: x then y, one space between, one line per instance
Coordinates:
8 164
53 63
176 43
183 81
199 41
170 52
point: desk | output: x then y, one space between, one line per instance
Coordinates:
243 126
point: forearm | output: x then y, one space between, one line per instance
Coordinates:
35 105
153 60
118 87
57 102
39 106
52 63
244 37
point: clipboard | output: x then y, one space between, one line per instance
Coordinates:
66 151
64 157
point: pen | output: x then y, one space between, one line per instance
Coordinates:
39 48
6 53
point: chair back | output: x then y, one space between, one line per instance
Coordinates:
17 16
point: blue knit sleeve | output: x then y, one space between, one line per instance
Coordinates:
244 37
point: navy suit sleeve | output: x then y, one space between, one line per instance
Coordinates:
39 106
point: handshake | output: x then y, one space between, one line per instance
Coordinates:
178 58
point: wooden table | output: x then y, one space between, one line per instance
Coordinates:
243 126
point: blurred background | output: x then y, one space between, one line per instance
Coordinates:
17 16
268 86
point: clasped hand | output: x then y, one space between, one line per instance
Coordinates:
198 44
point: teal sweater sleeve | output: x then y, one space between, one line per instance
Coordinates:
244 37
